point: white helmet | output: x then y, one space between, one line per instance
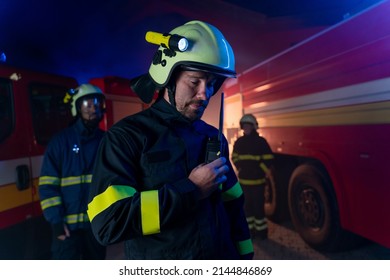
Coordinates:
249 118
82 91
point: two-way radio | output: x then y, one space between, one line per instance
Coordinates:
214 147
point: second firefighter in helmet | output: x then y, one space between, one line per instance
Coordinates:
253 159
66 176
88 103
165 202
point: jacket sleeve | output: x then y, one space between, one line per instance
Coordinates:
267 156
50 186
233 198
235 155
119 208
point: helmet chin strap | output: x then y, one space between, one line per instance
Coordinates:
171 94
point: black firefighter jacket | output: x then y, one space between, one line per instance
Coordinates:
253 158
66 176
142 195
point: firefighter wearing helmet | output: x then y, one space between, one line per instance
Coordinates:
253 158
249 119
87 103
66 176
161 198
207 51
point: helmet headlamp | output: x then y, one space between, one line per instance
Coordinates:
170 41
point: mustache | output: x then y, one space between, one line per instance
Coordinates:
202 103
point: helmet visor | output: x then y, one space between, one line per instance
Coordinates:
91 107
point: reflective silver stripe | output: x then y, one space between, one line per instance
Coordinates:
50 202
261 224
252 182
267 156
75 180
248 157
76 218
49 180
65 182
264 167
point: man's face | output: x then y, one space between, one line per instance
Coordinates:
193 92
92 108
247 128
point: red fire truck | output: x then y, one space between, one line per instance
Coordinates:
324 107
31 111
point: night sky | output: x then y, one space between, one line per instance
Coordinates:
87 39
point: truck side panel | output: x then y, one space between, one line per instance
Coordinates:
328 98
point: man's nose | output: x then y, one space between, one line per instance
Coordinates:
204 93
93 108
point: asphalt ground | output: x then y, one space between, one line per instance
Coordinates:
284 243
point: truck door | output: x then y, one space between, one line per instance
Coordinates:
31 111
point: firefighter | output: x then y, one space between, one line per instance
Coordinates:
253 157
66 177
151 185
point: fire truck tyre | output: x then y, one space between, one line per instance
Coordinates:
313 208
275 205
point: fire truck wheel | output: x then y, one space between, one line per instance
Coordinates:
275 200
313 207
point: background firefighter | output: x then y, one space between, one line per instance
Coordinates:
253 157
66 176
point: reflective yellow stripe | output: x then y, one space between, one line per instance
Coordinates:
245 247
76 218
260 221
261 224
64 182
232 193
248 157
267 156
150 212
52 201
264 167
252 182
250 219
104 200
49 180
75 180
236 156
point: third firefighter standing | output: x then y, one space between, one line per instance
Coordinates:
253 157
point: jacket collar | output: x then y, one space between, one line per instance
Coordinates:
82 130
169 113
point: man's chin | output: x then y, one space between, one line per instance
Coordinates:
92 123
194 116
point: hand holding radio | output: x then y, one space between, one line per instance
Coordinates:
207 177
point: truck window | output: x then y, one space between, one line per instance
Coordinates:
49 113
6 109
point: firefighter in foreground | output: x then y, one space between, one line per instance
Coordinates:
66 177
151 185
253 158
